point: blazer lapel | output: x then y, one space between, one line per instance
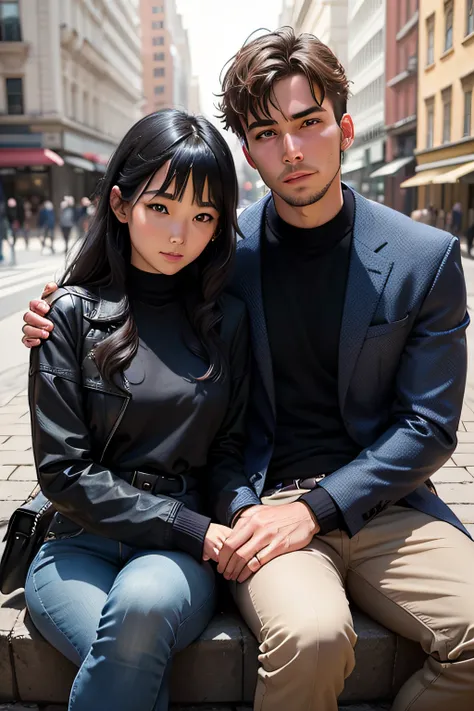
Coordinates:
250 287
368 274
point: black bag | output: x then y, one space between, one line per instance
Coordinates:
25 534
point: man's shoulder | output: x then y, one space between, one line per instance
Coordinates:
402 232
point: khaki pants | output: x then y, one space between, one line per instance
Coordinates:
410 572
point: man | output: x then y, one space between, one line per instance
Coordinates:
358 319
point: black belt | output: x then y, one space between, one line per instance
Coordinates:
295 484
175 484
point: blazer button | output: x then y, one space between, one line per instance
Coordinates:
146 486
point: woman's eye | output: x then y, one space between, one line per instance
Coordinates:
158 207
204 217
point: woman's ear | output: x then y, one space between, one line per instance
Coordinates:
119 206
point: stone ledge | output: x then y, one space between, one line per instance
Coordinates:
219 668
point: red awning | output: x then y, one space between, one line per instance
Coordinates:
26 157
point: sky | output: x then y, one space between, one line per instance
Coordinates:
216 30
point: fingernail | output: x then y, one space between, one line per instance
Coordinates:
45 334
44 308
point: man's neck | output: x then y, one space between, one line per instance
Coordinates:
314 215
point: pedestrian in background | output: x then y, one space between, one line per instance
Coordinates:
456 219
47 222
15 223
66 221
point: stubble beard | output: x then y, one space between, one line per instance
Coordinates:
306 201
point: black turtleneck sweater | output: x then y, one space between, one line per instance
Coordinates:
171 420
304 282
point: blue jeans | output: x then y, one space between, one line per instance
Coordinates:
119 614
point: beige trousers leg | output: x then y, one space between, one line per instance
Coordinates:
410 572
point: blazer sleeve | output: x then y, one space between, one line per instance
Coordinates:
228 489
429 387
82 489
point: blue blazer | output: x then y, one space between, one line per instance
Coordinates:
402 363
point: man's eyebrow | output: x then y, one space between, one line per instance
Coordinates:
301 114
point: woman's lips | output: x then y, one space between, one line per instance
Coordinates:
171 256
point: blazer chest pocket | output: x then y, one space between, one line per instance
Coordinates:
384 329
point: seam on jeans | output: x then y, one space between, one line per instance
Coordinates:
260 640
48 616
406 610
189 617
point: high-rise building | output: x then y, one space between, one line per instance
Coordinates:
366 69
445 135
327 19
70 87
401 62
166 58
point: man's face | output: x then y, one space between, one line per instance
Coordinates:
297 152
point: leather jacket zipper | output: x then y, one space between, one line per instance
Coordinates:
114 428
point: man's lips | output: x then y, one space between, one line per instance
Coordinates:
296 176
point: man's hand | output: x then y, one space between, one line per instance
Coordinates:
262 533
36 327
215 538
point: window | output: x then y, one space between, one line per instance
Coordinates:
160 89
446 115
157 9
430 124
158 25
467 113
10 28
430 31
14 89
469 17
448 20
158 40
159 72
159 56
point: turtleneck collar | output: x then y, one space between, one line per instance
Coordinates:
153 289
315 240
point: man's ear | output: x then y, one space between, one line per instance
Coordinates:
248 157
347 132
119 205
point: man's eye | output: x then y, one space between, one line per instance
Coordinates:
265 134
311 122
204 217
158 207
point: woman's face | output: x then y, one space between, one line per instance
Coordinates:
165 234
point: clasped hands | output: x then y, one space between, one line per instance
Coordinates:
260 534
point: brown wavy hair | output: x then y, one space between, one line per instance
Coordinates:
247 86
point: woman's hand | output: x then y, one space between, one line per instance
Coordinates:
36 326
215 538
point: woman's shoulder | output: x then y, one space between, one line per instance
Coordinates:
67 298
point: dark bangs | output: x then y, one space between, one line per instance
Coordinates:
194 157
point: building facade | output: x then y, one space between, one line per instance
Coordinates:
70 87
327 19
445 133
366 69
401 71
166 57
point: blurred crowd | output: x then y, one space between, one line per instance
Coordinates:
22 219
450 221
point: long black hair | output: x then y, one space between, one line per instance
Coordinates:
194 148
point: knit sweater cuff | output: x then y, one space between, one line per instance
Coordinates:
189 531
324 509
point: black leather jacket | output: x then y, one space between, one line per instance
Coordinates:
75 414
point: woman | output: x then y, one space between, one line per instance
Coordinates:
138 398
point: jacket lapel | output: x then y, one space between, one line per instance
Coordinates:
250 288
368 274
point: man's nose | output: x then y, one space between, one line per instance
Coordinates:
291 149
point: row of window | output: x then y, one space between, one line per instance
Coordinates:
159 89
157 9
448 28
369 53
158 41
159 72
369 97
446 97
157 24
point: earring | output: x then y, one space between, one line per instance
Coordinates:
215 236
